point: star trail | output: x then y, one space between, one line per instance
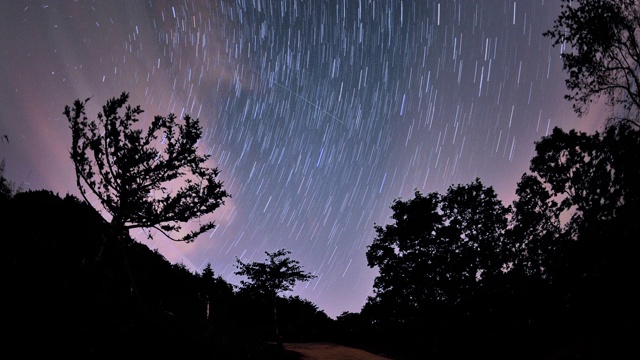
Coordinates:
317 113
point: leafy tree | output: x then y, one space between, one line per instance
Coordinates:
434 262
602 54
592 177
582 201
535 227
439 249
279 273
475 226
144 181
411 269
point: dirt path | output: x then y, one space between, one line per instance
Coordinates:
328 351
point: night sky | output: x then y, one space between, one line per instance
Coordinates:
318 114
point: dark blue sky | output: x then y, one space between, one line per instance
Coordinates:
317 113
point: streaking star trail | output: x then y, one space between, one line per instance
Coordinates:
318 114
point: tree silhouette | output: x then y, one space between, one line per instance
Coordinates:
216 293
301 320
434 260
580 215
535 227
594 180
277 274
601 53
406 255
143 181
7 187
440 247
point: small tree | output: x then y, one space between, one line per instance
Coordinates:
603 53
278 274
143 181
7 187
215 291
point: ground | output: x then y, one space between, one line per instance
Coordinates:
328 351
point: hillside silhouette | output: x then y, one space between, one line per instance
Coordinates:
73 288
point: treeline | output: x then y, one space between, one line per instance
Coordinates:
71 287
550 276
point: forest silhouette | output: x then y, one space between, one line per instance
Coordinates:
461 275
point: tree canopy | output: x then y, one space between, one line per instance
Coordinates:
143 180
556 266
592 193
439 247
277 274
600 42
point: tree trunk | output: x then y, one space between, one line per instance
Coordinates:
275 320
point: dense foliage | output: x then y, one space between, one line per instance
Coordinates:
440 248
553 270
